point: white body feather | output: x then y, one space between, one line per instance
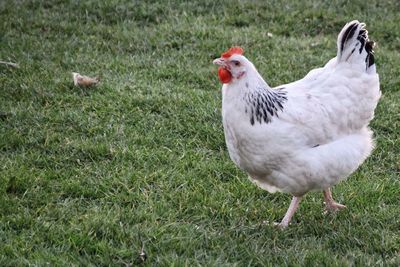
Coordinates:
319 138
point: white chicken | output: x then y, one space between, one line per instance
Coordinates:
307 135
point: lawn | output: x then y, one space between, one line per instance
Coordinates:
89 177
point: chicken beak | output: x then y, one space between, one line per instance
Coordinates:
219 61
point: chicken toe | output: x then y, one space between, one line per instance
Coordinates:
330 204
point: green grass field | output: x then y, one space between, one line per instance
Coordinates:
89 175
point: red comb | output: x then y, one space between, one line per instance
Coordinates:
232 51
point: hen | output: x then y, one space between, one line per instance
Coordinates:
307 135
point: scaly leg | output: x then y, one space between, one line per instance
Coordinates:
330 204
289 213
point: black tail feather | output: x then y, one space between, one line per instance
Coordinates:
348 34
370 59
354 36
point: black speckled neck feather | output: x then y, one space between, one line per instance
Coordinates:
263 104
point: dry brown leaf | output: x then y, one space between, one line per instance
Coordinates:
82 80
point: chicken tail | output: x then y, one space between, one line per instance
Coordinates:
354 45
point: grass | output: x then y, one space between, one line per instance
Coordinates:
88 175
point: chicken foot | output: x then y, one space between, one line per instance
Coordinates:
330 204
290 212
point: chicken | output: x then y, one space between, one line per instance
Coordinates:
307 135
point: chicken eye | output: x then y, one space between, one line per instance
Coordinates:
236 63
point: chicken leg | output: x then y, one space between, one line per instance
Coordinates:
330 203
290 212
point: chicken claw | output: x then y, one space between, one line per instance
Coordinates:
330 204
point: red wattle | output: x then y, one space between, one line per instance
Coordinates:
224 75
